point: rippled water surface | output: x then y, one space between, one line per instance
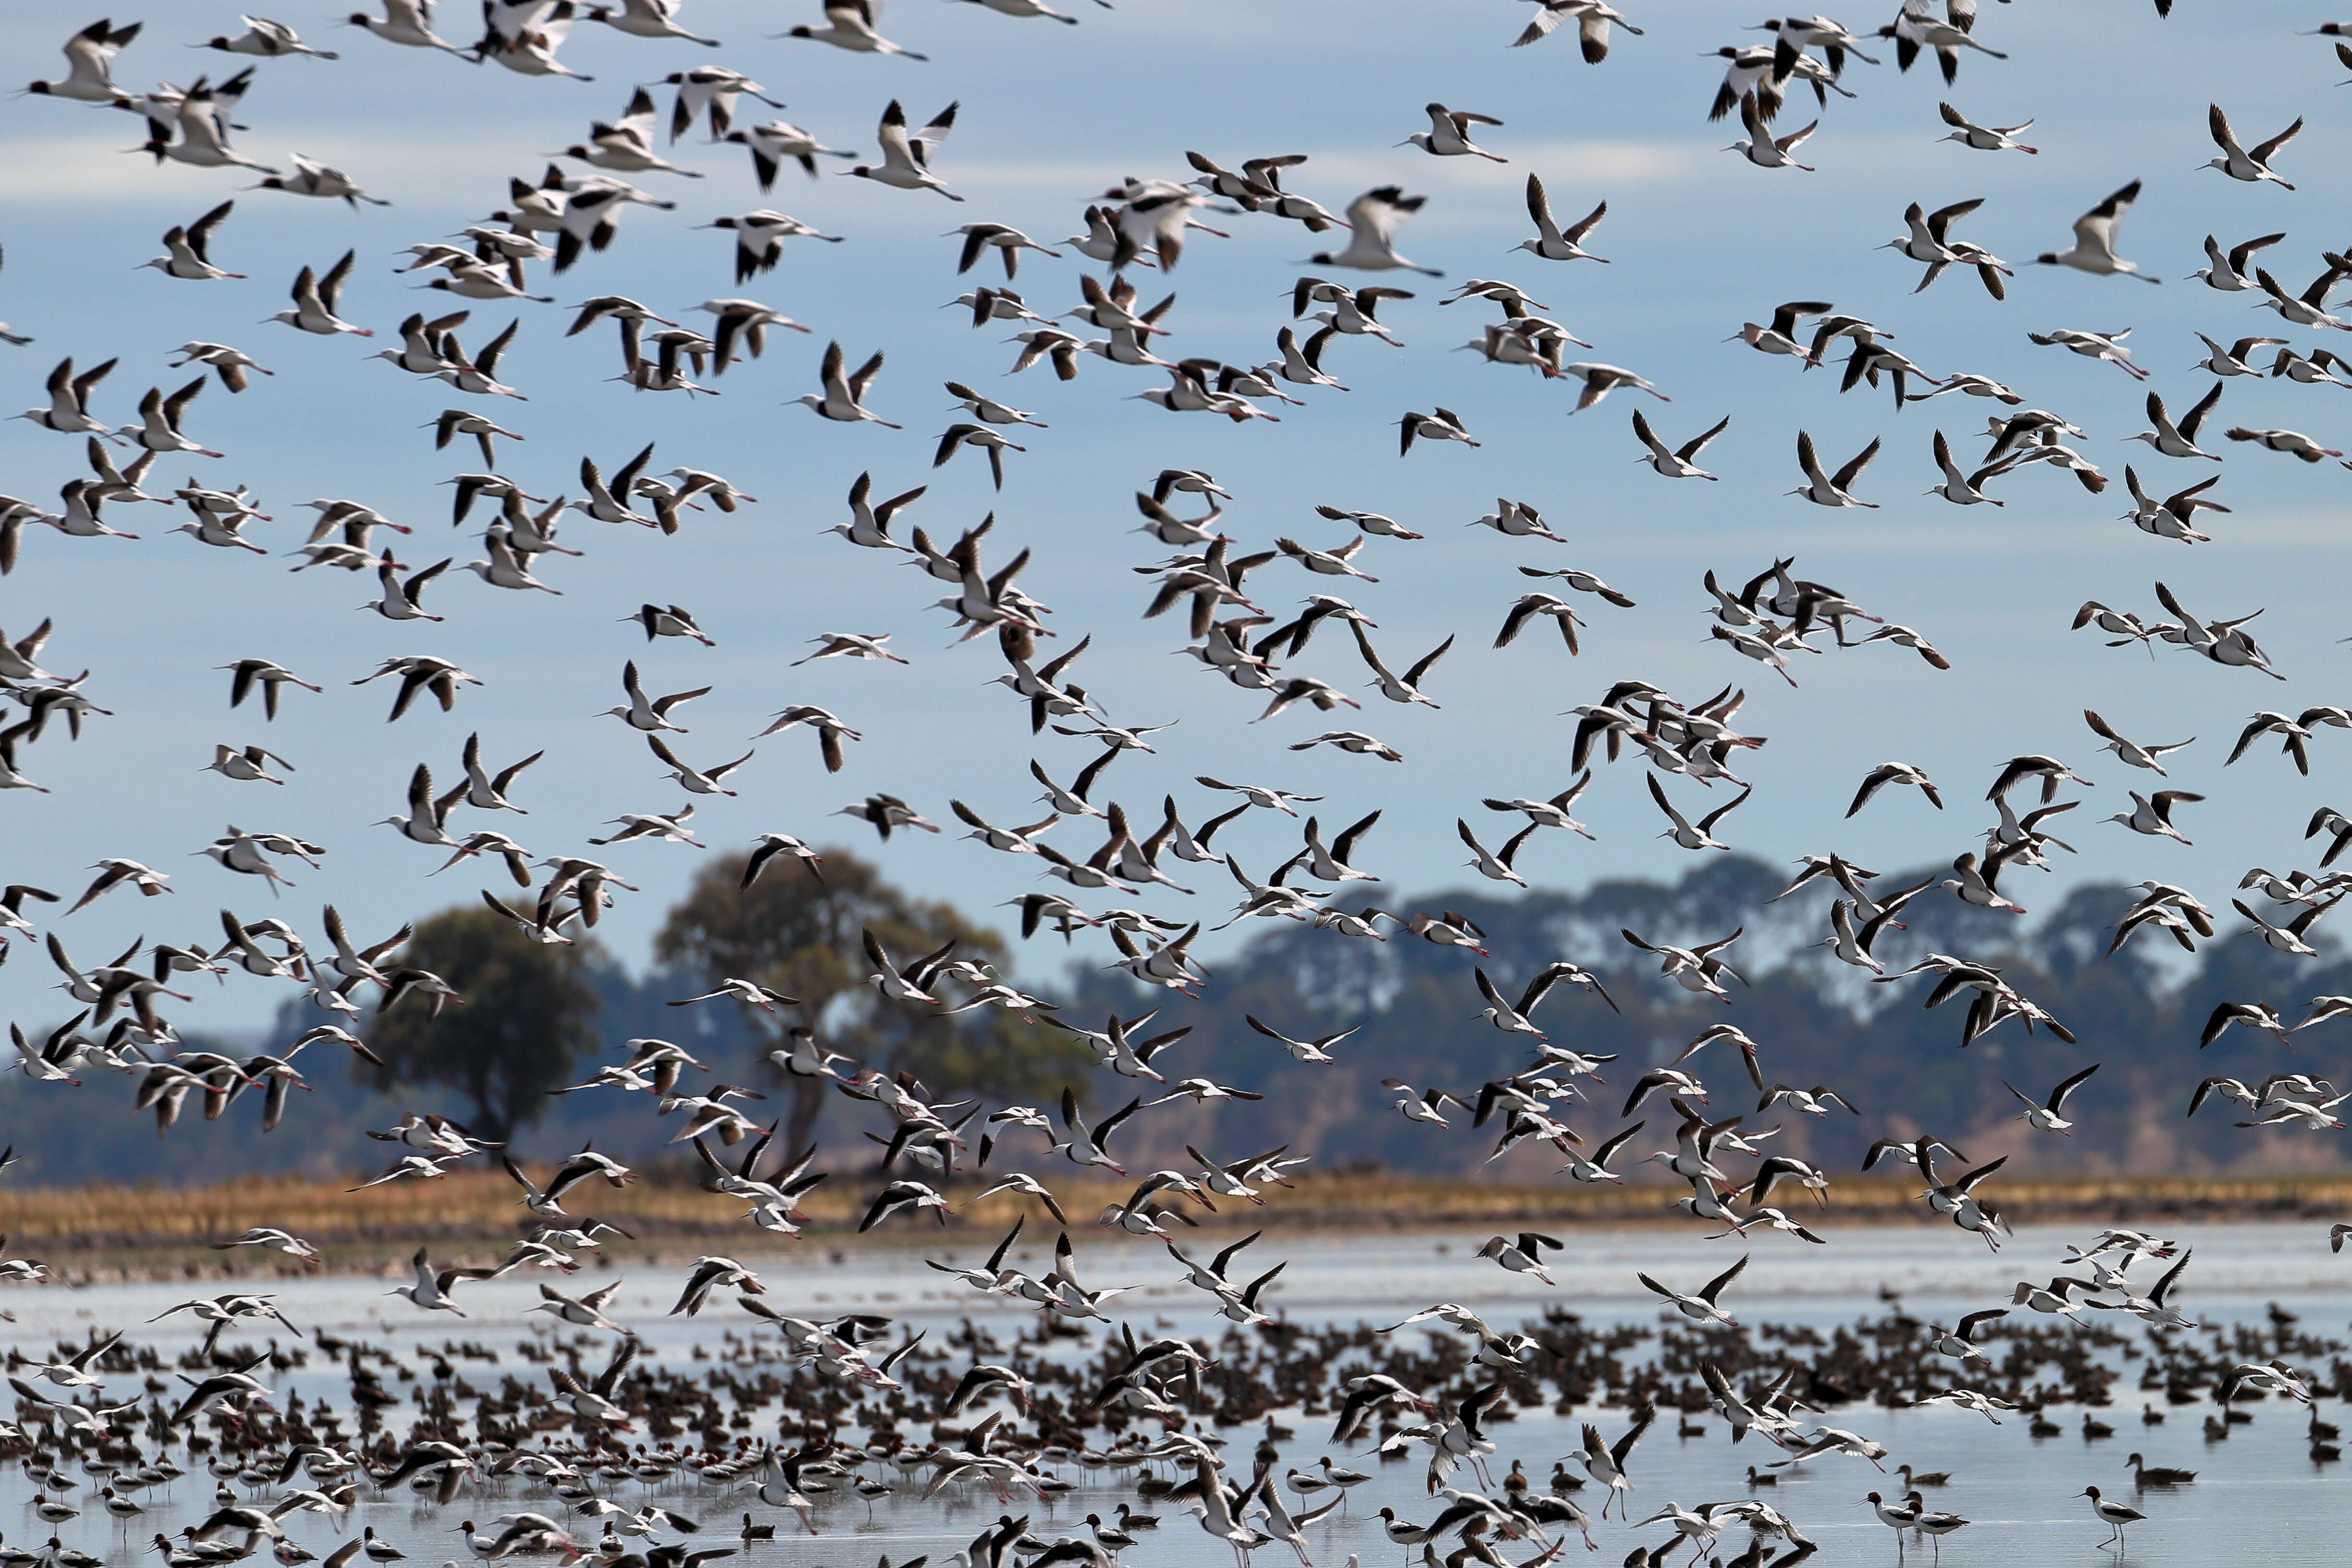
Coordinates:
2257 1499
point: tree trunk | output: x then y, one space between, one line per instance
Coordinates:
491 1120
808 1104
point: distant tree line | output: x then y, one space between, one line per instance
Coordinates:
538 1017
2138 1014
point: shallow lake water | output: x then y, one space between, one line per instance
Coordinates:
2258 1499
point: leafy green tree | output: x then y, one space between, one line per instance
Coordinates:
805 937
529 1011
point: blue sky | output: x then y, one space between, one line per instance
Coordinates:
1699 242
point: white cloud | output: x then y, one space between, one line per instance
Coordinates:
96 170
1572 165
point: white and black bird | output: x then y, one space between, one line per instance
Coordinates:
2252 165
1441 426
2093 250
1372 220
1831 489
843 399
1887 773
2050 1114
906 155
1551 242
1684 832
1680 462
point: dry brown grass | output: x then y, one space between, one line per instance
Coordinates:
147 1229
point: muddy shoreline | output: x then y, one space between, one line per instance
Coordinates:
96 1234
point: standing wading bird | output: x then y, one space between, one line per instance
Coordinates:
2113 1514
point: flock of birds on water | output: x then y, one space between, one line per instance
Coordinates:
1139 1409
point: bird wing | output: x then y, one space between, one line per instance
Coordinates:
1623 1447
625 1355
1691 448
178 402
1539 209
1844 479
2163 1284
2261 151
2097 227
2068 1086
892 134
1658 794
1967 1327
1943 217
1486 989
199 233
2238 253
1809 461
1707 823
2217 124
864 378
1104 1129
1376 211
2189 422
1751 116
1343 847
1979 1174
926 141
1601 1155
1871 783
1518 616
1413 676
